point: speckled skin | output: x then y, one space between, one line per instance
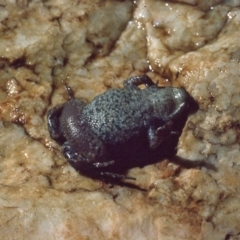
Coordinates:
117 125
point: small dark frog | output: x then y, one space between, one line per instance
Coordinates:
121 128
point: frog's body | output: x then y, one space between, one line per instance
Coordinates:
118 125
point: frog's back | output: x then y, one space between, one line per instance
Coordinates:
118 114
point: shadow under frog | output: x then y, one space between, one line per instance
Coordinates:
121 128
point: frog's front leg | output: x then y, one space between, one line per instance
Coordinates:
157 135
138 80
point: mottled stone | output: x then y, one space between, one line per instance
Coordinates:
94 46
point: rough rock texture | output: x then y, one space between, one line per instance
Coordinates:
95 45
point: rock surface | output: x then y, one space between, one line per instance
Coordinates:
93 46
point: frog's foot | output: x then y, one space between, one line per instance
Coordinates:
138 80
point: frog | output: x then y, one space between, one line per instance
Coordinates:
121 128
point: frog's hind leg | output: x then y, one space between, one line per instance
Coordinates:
110 174
138 80
95 170
53 122
116 176
54 116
